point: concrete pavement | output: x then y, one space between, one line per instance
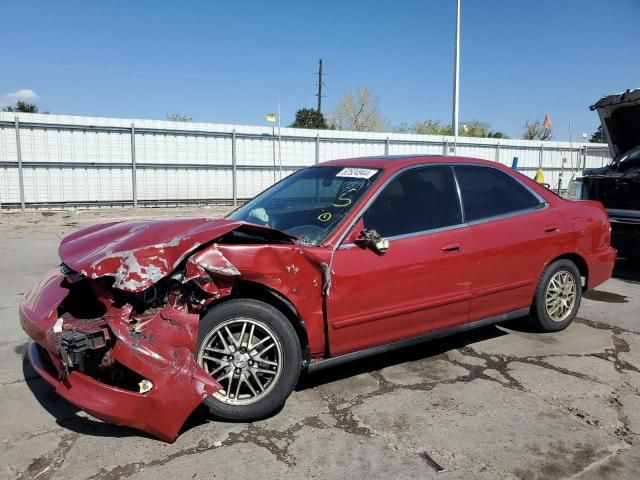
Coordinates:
498 402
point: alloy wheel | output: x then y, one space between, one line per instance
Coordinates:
245 357
560 296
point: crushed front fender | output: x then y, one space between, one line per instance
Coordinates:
157 347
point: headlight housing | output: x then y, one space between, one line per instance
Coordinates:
574 189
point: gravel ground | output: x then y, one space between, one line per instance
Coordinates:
498 402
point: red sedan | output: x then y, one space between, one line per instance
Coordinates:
145 320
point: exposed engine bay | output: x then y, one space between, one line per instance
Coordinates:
617 185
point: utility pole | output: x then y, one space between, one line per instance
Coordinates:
319 94
456 75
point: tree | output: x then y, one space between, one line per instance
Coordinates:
310 118
479 129
598 136
497 134
536 131
359 112
177 117
404 127
22 106
473 128
430 127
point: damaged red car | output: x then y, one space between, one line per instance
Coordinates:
145 320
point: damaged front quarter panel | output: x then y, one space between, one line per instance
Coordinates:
152 295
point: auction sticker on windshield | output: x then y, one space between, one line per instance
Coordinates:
357 172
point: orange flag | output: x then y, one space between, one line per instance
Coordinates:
547 122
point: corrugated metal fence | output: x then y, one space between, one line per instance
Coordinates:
60 160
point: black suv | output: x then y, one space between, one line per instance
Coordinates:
617 185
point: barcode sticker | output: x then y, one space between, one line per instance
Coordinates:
357 172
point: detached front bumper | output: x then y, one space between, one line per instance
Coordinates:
161 352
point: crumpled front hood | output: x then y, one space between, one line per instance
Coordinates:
139 253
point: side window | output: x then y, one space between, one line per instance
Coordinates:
487 192
416 200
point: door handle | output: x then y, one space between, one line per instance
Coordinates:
551 228
454 247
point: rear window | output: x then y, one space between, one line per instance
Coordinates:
487 192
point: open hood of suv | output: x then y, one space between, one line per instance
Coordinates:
620 118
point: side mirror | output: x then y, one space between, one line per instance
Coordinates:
372 239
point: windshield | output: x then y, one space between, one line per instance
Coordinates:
309 203
629 160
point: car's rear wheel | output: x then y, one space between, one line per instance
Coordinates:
557 298
252 350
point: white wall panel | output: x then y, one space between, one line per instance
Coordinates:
9 187
73 145
252 182
8 151
183 184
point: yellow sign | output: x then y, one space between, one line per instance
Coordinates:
270 117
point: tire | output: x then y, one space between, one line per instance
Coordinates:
548 312
251 347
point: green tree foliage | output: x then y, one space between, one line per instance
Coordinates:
310 118
431 127
497 134
22 106
598 136
472 128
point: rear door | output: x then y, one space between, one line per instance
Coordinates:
422 282
514 233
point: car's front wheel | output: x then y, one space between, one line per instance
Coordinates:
557 298
252 350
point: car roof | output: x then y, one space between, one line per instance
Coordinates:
395 162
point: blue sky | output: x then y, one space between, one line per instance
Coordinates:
228 62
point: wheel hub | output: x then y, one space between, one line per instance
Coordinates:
241 360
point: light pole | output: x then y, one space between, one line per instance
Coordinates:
277 166
279 144
271 118
456 77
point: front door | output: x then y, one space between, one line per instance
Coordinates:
421 283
